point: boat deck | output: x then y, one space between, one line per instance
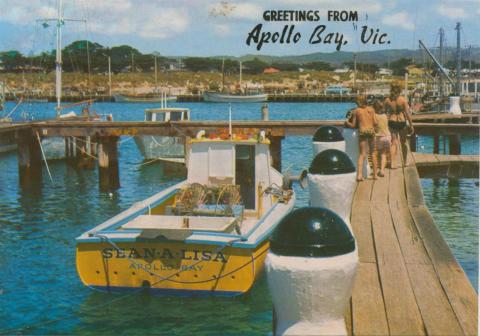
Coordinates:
408 281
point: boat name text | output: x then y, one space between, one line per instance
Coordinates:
164 253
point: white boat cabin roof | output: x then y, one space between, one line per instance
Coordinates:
167 109
167 114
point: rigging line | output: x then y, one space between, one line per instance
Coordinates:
148 162
85 152
44 158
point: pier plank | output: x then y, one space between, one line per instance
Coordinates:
402 312
413 187
437 314
368 308
435 308
455 283
410 241
348 318
360 220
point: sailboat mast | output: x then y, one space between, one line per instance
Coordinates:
58 59
440 82
156 79
240 76
223 73
459 60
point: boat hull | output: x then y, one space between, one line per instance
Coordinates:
226 98
161 147
54 148
126 99
171 268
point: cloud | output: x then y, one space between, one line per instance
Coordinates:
232 10
400 19
451 11
150 20
221 29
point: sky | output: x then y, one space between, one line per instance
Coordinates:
212 28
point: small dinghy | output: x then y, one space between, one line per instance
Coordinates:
207 235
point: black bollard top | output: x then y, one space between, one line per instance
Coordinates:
331 162
327 134
312 232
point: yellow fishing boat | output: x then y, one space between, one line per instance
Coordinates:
207 235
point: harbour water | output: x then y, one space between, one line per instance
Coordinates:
41 293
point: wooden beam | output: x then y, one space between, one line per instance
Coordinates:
190 128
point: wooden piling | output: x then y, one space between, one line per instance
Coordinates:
29 161
436 144
454 144
276 151
108 172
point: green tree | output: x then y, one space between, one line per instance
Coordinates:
255 66
319 66
399 66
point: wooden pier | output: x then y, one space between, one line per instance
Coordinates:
408 281
104 136
450 166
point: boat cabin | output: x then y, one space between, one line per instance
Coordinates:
167 114
245 163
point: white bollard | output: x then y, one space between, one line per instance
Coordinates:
310 269
327 137
455 105
332 182
351 148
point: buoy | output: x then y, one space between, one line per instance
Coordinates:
331 182
327 137
455 105
310 272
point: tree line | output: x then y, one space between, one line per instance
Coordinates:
85 56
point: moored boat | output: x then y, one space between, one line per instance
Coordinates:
207 235
163 148
217 97
119 98
242 96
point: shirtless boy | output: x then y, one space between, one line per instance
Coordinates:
365 117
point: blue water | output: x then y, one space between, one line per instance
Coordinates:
40 292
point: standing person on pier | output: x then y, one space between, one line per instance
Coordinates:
399 113
364 115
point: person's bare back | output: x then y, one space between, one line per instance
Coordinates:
366 119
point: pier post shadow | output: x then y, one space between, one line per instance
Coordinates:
108 172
